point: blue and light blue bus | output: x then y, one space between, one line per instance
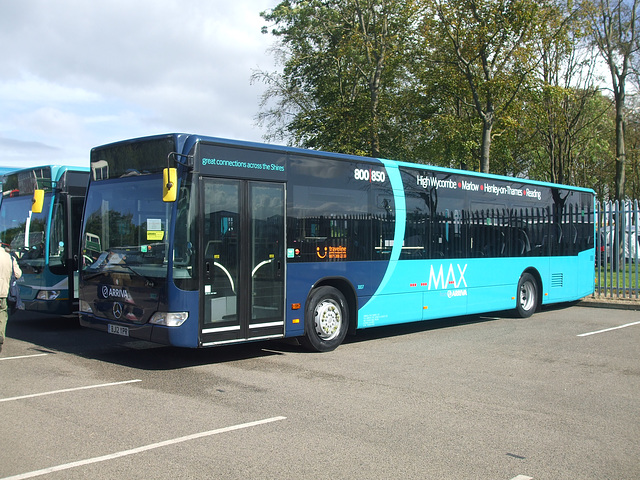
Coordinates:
40 219
196 241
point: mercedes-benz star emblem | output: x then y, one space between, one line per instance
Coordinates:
117 310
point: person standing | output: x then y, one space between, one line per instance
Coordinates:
8 265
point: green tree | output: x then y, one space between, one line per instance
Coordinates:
632 137
568 113
571 137
449 130
490 45
343 72
614 30
500 85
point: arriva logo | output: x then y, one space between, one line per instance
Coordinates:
113 292
453 279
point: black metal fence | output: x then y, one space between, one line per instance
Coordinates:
617 249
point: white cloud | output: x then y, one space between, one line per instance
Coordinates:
77 73
32 89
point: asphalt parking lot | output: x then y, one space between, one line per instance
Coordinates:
494 397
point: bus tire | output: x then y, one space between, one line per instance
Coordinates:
527 300
326 319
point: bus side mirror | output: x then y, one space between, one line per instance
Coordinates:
169 185
38 201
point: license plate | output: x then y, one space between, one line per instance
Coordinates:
118 330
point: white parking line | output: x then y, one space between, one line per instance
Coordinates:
608 329
522 477
145 448
33 395
24 356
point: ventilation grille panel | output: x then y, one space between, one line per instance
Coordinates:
557 280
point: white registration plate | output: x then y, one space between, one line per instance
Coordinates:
118 330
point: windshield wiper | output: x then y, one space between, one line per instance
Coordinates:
104 265
89 276
129 268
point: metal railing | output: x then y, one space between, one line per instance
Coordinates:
617 250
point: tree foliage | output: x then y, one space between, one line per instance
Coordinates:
570 115
489 43
614 29
344 66
501 86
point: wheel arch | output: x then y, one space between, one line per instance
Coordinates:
346 288
538 278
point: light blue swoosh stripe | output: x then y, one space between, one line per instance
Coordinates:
401 220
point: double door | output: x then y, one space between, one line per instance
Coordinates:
242 281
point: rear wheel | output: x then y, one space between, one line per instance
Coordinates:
326 319
527 295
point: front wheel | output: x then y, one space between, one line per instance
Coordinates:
527 301
326 319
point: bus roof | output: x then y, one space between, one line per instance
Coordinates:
56 170
185 142
44 176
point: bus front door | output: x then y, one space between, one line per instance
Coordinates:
242 286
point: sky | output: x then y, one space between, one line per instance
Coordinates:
75 74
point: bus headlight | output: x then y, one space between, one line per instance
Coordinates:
85 307
169 319
48 294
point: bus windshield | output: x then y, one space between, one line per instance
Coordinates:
25 231
126 228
